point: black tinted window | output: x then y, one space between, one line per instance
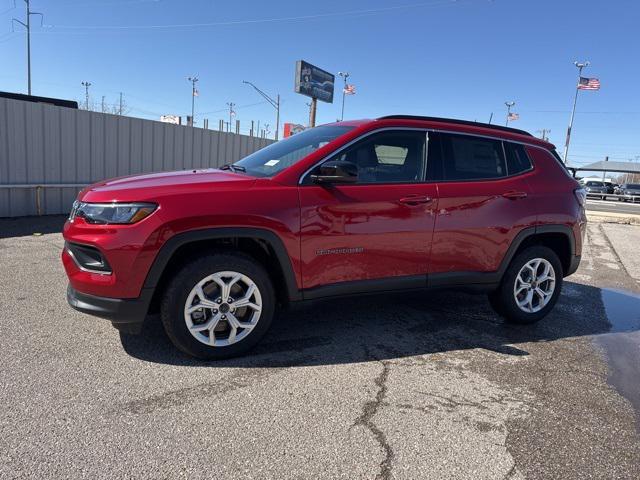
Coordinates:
517 159
466 157
388 157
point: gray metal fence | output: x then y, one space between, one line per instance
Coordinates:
48 153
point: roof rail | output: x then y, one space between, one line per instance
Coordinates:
456 121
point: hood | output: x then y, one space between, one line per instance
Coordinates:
147 186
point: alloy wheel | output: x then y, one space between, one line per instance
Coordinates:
534 285
223 308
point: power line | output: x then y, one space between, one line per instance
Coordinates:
370 11
8 9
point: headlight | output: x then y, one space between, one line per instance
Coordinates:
111 213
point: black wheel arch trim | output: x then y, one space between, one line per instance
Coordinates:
273 240
537 230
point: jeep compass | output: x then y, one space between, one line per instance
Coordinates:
397 203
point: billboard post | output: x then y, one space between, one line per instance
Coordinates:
315 83
312 112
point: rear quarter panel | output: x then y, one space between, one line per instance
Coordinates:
552 189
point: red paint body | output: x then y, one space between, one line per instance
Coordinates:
459 226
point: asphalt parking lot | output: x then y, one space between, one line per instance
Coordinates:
402 387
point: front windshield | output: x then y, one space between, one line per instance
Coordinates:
280 155
634 186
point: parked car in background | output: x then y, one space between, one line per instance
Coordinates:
611 187
371 206
630 192
596 189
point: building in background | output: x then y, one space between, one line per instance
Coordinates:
292 129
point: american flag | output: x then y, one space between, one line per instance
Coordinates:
196 93
349 89
514 116
588 84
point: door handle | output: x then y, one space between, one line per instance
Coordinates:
415 200
514 195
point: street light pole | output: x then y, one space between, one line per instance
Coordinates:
509 105
344 76
573 111
274 103
193 81
86 86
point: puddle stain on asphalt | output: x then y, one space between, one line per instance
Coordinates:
622 344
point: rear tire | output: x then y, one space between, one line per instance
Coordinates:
218 306
525 297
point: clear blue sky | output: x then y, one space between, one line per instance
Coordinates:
437 57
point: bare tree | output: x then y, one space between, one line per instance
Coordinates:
92 107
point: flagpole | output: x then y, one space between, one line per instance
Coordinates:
509 105
344 76
573 111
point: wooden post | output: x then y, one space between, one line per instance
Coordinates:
312 112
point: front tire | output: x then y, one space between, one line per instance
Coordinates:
530 287
218 306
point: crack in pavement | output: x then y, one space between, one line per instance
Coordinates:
369 409
178 398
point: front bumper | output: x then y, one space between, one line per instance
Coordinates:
124 313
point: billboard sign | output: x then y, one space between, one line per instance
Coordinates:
175 119
314 82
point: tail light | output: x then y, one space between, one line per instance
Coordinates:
581 196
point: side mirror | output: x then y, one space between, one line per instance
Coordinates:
336 171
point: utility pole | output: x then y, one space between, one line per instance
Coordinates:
194 94
344 76
120 107
312 112
86 86
604 174
102 106
274 103
573 111
509 105
231 111
543 134
27 25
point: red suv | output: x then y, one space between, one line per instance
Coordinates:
395 203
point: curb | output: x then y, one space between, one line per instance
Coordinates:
609 217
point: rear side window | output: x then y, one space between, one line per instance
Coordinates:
466 157
517 159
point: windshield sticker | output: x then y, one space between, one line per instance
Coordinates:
271 163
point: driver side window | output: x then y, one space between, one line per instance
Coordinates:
394 156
